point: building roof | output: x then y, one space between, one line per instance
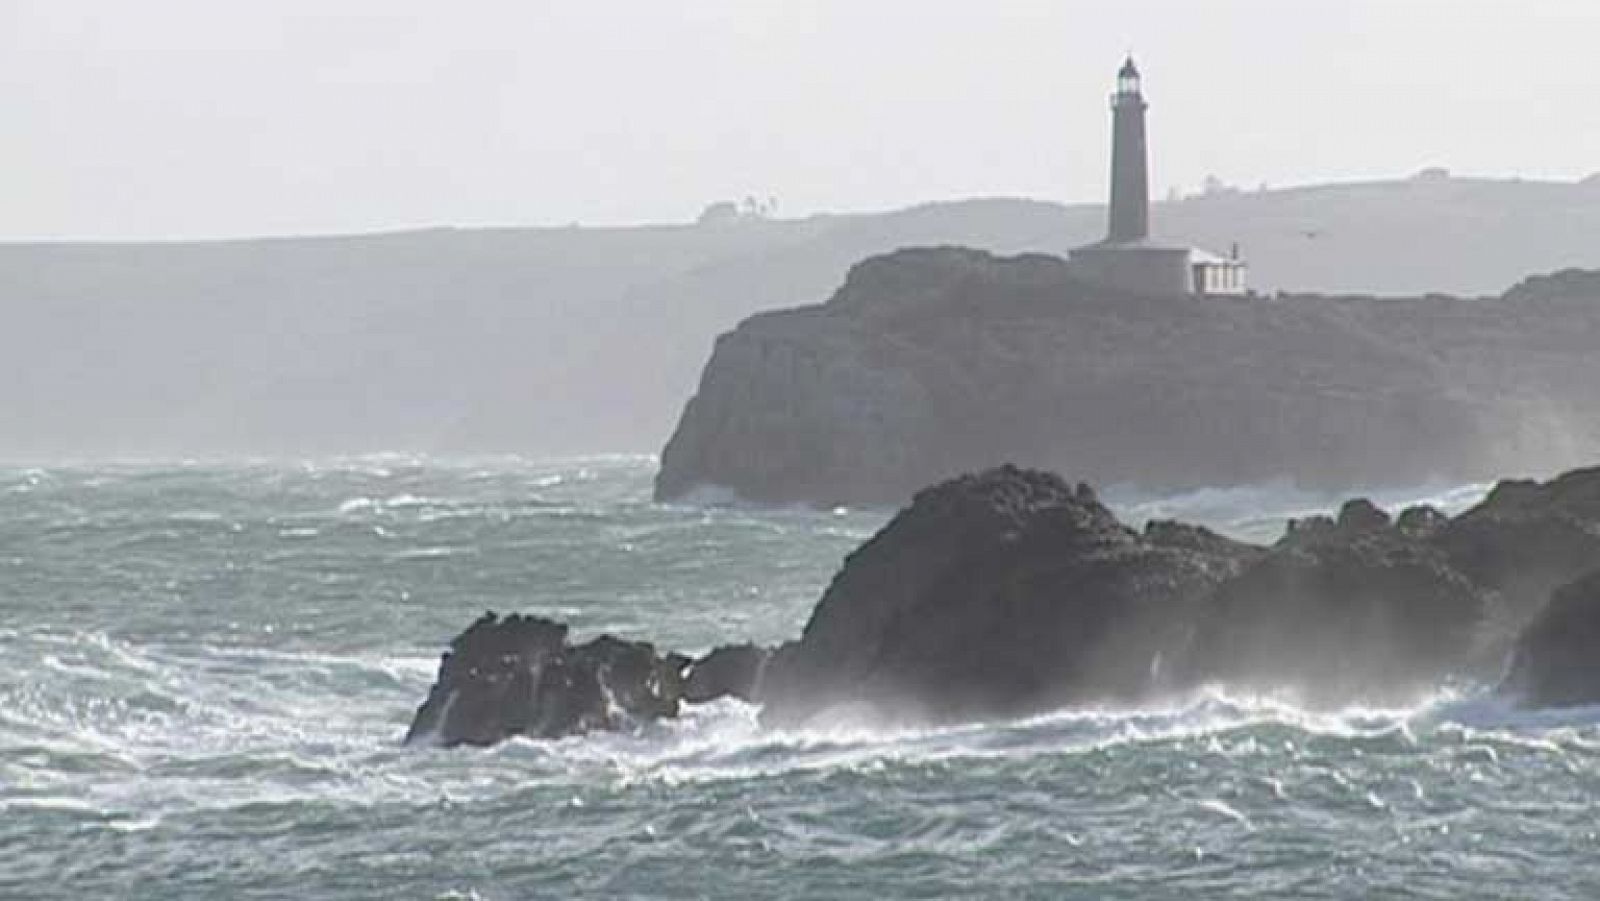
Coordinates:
1197 255
1147 245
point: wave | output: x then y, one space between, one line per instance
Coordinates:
724 740
143 678
135 732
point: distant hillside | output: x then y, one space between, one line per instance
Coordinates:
571 340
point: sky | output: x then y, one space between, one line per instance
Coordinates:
168 119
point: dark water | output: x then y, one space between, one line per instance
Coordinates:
205 672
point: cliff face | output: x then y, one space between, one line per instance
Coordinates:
930 362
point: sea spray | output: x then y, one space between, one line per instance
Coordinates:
194 705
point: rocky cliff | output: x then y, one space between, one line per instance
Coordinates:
931 362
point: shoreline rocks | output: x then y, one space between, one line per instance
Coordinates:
998 594
1557 659
1352 608
1011 592
519 676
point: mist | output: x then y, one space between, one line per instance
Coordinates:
493 166
830 493
566 341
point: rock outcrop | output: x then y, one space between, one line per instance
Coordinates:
1527 538
520 676
1557 661
1011 592
931 362
1353 608
995 595
729 671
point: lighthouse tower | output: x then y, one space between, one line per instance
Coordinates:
1128 260
1130 174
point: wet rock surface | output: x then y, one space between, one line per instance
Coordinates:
1352 608
519 676
999 594
1557 660
1012 592
728 671
1528 538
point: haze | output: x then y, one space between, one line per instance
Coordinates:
166 119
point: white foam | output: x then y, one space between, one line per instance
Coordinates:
1218 806
724 740
401 501
433 553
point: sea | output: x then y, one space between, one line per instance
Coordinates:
206 670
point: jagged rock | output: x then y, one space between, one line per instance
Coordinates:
519 676
1342 610
1012 591
731 670
1360 516
1184 536
1421 522
1557 658
1526 539
997 594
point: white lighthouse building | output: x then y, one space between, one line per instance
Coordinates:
1128 259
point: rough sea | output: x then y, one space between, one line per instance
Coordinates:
206 670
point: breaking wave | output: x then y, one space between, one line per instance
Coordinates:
205 674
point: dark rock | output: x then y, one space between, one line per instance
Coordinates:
1309 527
481 681
1360 516
1183 536
1011 592
731 670
1339 611
519 676
998 594
1526 539
1557 658
933 361
1421 522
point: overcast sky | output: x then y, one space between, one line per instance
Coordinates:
197 118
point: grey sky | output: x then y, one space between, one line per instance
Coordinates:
193 118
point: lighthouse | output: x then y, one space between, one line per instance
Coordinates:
1128 260
1130 168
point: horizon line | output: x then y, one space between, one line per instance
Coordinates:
1427 175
